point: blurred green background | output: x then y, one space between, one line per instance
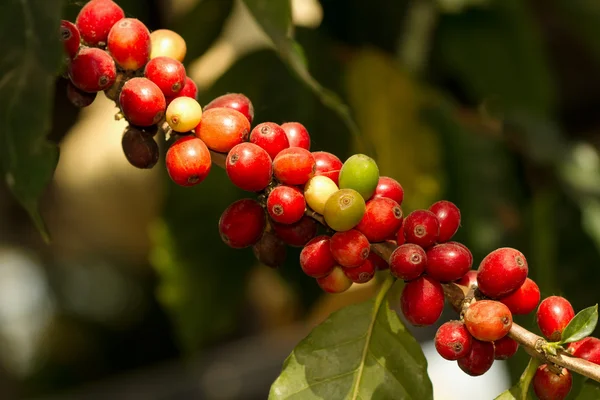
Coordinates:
490 104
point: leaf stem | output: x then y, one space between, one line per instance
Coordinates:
527 376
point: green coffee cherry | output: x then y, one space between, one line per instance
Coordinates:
344 209
360 172
317 191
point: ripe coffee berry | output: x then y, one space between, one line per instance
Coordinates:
588 349
129 44
270 250
297 135
350 249
390 188
234 101
168 74
523 300
448 262
249 167
79 98
270 137
422 301
505 348
242 223
286 204
142 102
188 161
190 89
139 148
469 279
449 217
183 114
70 37
317 191
297 234
294 166
501 272
400 238
335 282
361 274
382 219
344 209
408 261
316 259
360 172
479 360
379 263
166 43
92 70
488 320
222 128
453 340
549 385
95 20
553 315
421 227
327 165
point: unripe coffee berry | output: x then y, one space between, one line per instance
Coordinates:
361 173
242 224
92 70
588 349
422 301
421 227
479 360
297 234
361 274
350 249
453 340
335 282
449 217
96 18
129 44
188 161
408 261
142 102
297 135
488 320
501 272
183 114
317 190
549 385
383 217
168 74
523 300
505 348
448 262
271 137
344 209
294 166
390 188
139 148
234 101
553 315
222 128
328 165
166 43
249 167
286 204
70 37
316 259
270 250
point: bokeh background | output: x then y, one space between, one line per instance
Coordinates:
490 104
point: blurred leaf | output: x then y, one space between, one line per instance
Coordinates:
582 17
581 326
362 351
456 6
589 391
520 391
30 63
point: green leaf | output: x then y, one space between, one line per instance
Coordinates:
360 352
589 391
520 391
582 325
29 64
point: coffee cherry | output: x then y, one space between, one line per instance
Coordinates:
549 385
479 360
469 279
249 167
464 247
448 262
222 128
286 204
168 74
335 282
327 165
350 249
79 98
379 263
316 259
188 161
553 315
523 300
96 18
129 44
382 219
92 70
190 89
453 340
142 102
270 250
183 114
166 43
242 223
297 234
488 320
449 216
361 274
70 37
317 190
505 348
421 227
270 137
297 135
400 238
390 188
422 301
501 272
139 148
408 261
344 209
235 101
360 172
588 349
294 166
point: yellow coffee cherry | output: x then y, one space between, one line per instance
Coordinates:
183 114
167 43
317 190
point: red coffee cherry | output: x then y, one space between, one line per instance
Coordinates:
294 166
466 249
400 238
448 262
270 250
488 320
501 272
297 234
96 18
588 349
421 227
129 44
479 360
249 167
328 165
286 204
505 348
142 102
408 261
361 274
190 89
297 135
139 148
335 282
234 101
350 249
79 98
188 161
390 188
316 259
553 315
70 37
382 219
469 279
449 216
270 137
549 385
379 263
168 74
222 129
242 224
453 340
92 70
422 301
523 300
